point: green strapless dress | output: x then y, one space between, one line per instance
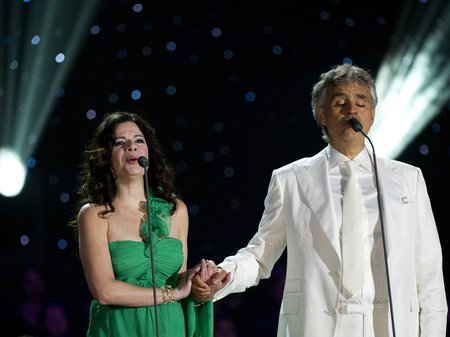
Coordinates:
131 264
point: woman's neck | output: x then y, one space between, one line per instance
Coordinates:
130 193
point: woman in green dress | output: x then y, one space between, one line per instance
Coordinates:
114 238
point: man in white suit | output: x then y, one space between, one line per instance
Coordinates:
304 212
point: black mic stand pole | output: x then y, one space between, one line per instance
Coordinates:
356 126
144 163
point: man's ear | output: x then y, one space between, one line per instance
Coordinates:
320 113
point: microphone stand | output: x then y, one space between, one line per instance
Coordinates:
143 162
357 127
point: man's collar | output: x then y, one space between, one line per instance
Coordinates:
335 158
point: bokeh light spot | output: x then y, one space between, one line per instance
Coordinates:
171 90
53 179
181 122
177 146
219 127
95 30
194 58
137 8
136 94
225 150
381 20
122 54
62 244
60 92
324 15
229 172
181 166
268 30
228 54
24 240
54 121
35 40
424 150
347 60
121 28
90 114
113 98
216 32
349 22
146 51
277 50
436 127
64 197
171 46
250 96
60 58
32 138
31 162
177 20
194 209
208 156
14 65
234 204
148 26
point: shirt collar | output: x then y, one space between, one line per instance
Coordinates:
335 158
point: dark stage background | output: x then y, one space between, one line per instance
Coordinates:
241 108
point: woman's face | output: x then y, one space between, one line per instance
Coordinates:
128 145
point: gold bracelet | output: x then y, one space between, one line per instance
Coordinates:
168 294
199 304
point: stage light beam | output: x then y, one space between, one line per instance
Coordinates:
41 41
414 78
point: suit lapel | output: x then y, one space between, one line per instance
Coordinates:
312 177
390 189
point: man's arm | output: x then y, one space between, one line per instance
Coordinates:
430 281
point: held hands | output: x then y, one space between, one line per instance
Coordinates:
208 281
184 285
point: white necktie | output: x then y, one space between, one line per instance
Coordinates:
352 234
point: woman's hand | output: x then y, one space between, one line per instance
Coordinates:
184 285
207 269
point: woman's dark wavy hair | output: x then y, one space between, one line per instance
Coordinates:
96 181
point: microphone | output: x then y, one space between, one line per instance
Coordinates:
354 123
357 127
143 161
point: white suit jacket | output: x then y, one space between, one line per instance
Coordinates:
299 214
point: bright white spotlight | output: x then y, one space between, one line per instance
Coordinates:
12 173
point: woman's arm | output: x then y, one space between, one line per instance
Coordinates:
179 229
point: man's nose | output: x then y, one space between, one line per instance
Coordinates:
352 109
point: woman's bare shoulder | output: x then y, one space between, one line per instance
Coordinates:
93 212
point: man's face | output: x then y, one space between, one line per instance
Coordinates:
343 102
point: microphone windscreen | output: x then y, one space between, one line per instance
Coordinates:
143 161
355 124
